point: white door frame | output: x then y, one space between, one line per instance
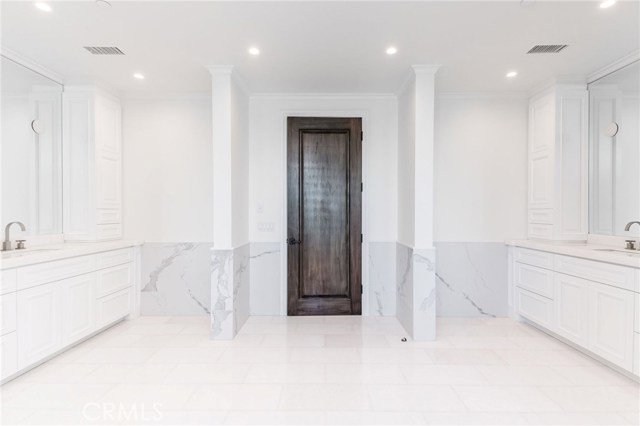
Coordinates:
365 204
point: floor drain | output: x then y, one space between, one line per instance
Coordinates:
404 339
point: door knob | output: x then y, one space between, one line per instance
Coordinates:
292 241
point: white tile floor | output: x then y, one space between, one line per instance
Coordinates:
321 370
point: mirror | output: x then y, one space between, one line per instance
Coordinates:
30 150
614 152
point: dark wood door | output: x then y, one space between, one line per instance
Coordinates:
324 199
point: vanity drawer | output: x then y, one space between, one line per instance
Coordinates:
114 279
614 275
31 276
8 355
8 309
537 280
113 307
534 307
544 216
114 257
108 216
534 257
109 232
9 280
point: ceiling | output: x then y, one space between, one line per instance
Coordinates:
321 47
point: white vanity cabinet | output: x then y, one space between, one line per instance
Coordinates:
558 163
82 295
595 305
92 142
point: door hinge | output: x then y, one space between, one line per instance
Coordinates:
361 238
361 187
361 289
361 136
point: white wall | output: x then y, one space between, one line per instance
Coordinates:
267 154
406 165
167 169
481 169
239 165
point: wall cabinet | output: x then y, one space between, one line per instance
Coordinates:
42 318
558 164
92 173
593 304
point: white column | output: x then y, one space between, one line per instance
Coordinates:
416 285
222 286
222 177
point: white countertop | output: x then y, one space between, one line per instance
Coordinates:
596 252
48 253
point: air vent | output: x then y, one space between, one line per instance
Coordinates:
97 50
547 48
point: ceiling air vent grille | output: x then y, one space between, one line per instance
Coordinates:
547 48
99 50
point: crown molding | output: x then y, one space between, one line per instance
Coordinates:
483 95
20 59
340 96
614 66
426 69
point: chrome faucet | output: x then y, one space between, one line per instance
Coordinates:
626 228
631 243
6 245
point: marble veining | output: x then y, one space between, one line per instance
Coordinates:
472 279
222 326
382 278
265 279
175 279
241 286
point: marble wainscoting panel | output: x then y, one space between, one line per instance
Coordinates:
472 279
424 294
241 285
175 279
382 279
222 290
416 291
266 296
404 286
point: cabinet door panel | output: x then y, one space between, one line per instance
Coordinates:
611 325
79 302
9 354
39 323
572 305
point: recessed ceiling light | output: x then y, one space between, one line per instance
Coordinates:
254 51
138 76
607 3
392 50
43 6
512 74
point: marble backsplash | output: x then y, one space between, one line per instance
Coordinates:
176 279
471 279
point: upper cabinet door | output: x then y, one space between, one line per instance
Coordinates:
40 310
611 324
